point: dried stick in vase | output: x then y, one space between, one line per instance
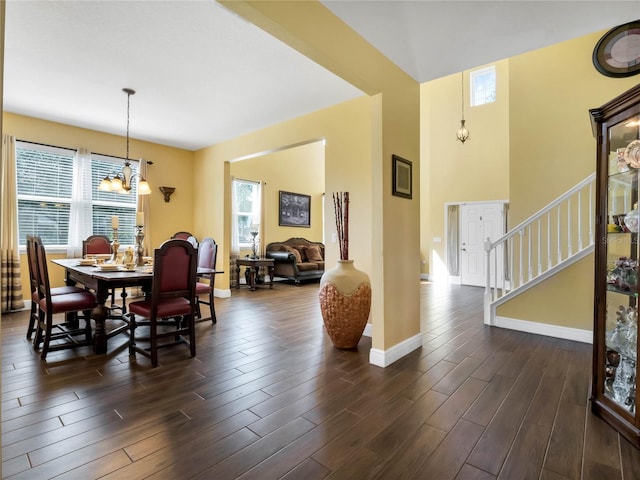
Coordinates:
346 226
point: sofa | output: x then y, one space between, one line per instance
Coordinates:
297 259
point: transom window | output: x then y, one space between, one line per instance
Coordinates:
483 86
46 177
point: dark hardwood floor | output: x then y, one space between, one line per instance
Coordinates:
268 397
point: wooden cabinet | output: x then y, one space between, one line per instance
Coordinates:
616 126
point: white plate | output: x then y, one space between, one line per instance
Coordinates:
632 154
108 268
86 263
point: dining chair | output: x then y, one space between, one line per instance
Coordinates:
172 301
193 241
101 245
63 335
207 254
33 282
182 235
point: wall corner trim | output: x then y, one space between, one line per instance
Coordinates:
384 358
221 293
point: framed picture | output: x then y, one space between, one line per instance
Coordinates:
402 186
295 210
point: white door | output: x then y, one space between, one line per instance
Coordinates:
478 221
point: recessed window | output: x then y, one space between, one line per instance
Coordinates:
483 86
246 211
46 196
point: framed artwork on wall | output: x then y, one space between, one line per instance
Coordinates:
295 210
402 180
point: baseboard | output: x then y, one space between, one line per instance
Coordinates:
567 333
220 293
368 330
384 358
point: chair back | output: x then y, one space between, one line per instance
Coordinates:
174 271
96 245
207 253
193 241
32 262
182 235
42 271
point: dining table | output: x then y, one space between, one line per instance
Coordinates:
101 281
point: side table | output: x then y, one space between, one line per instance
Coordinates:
253 267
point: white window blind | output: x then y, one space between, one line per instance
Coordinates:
45 176
45 180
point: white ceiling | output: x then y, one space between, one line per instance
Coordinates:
203 75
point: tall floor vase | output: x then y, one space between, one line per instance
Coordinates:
345 302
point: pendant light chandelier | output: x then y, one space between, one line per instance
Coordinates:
463 133
121 181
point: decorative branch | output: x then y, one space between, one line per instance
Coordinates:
341 211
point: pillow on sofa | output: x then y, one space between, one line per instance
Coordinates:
296 253
313 253
301 251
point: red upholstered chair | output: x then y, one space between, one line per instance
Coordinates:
172 297
62 335
182 235
207 253
33 281
101 245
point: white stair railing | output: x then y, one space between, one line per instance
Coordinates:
553 238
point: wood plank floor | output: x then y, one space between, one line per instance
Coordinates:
268 397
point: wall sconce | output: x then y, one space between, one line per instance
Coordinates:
167 191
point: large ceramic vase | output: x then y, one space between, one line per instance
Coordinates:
345 302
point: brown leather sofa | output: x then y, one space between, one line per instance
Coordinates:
297 259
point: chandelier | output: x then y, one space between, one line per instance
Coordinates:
121 181
463 133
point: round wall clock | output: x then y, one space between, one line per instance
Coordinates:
617 53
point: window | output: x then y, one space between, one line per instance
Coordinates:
106 204
246 211
45 177
483 86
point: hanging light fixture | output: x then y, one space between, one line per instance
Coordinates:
463 133
121 181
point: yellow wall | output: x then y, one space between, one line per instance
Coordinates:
171 167
477 170
345 127
299 170
552 149
393 127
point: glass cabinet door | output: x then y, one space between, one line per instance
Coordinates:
621 296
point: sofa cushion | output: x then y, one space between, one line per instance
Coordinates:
301 251
295 251
313 253
307 267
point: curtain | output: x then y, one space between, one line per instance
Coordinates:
81 212
235 240
11 288
262 191
144 206
453 228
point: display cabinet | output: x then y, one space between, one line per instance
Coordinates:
616 126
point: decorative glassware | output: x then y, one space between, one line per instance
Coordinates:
632 219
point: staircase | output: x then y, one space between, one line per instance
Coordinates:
550 240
